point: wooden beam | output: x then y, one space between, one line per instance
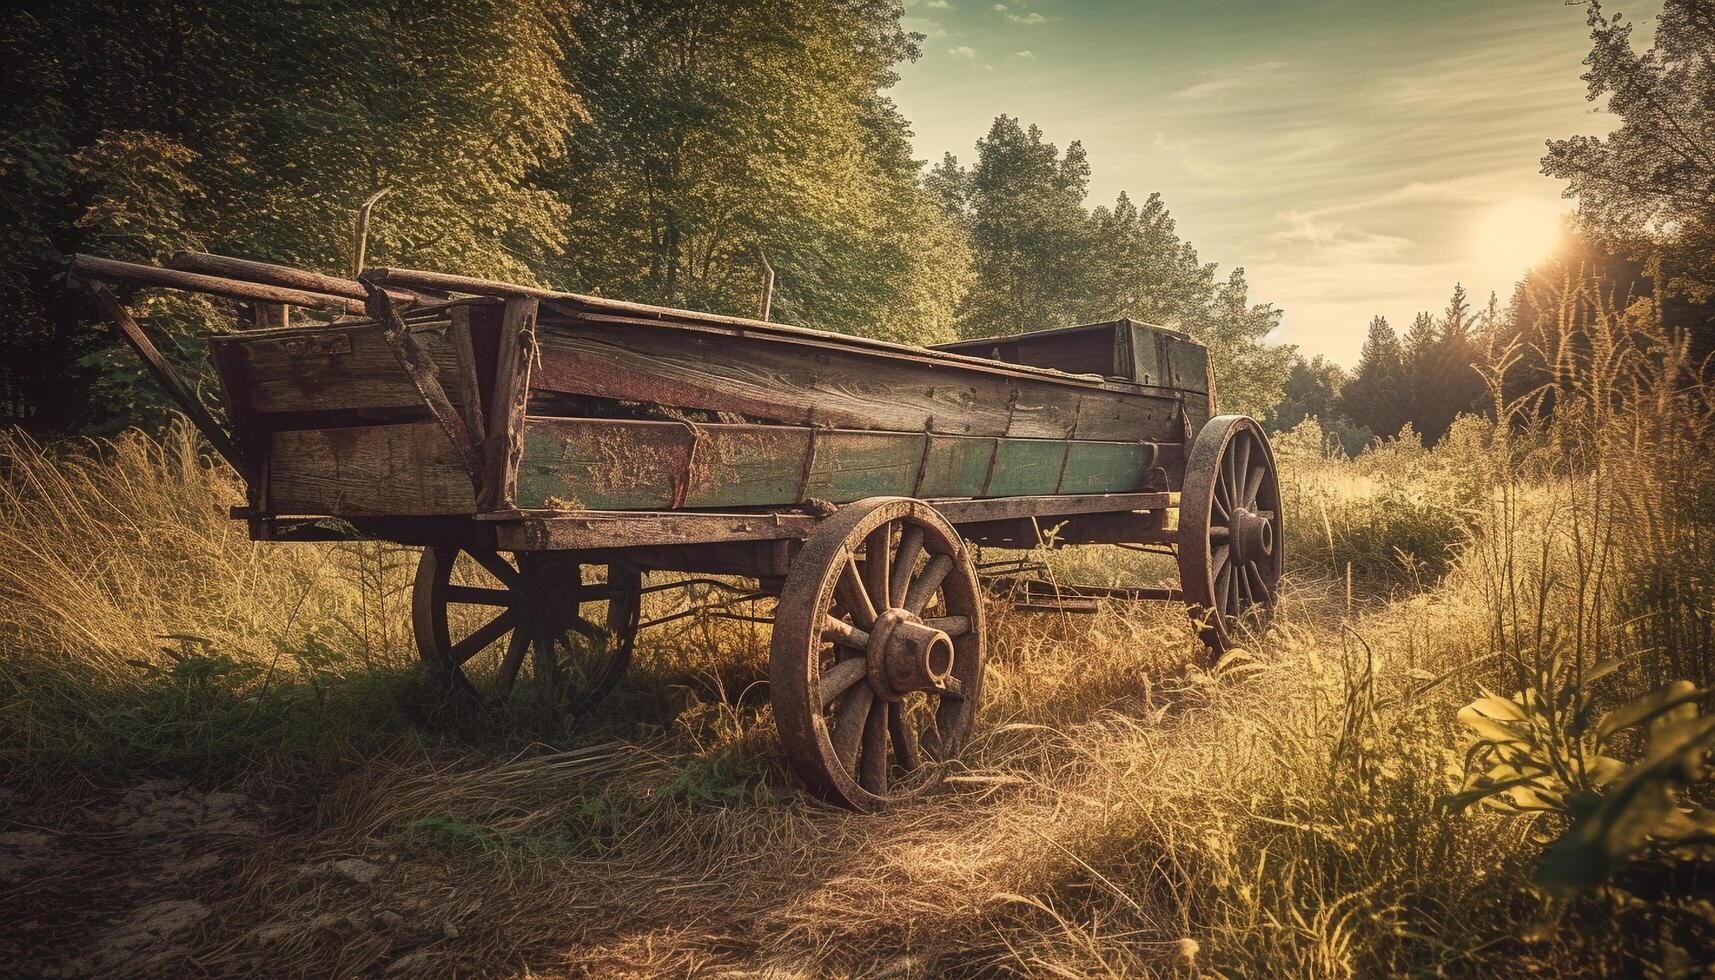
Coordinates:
503 447
163 372
592 530
248 270
112 270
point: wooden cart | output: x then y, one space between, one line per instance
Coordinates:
550 450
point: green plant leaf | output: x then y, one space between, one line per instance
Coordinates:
1651 705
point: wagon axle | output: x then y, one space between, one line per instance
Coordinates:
905 654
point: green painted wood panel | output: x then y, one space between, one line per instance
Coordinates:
1026 466
603 464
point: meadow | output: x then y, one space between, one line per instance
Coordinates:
1473 743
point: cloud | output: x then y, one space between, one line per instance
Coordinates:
1026 55
938 5
1232 80
963 51
1033 18
1316 241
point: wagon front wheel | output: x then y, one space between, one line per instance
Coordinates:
1230 523
877 659
491 626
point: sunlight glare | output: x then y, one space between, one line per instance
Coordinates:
1513 236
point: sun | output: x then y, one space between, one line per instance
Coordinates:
1515 235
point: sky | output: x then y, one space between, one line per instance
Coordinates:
1356 158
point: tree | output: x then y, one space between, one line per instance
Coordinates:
1648 187
1023 205
1371 398
1042 260
723 133
257 129
1311 391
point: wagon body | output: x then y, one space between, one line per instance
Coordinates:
526 437
629 409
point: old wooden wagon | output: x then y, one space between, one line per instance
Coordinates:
550 450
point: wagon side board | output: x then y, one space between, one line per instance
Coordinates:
815 382
602 464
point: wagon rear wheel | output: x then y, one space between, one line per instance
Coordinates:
491 626
1230 543
877 658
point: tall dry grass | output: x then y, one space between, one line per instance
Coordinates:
1127 809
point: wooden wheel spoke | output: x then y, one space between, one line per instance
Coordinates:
872 763
509 665
877 551
1218 561
953 626
843 633
839 679
485 634
478 596
849 721
1253 483
1259 584
1221 580
497 566
1241 469
905 747
587 629
850 591
904 563
927 583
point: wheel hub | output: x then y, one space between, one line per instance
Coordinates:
1252 535
907 654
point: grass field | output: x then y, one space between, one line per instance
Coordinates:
219 758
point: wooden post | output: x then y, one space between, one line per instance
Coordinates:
504 447
767 302
268 316
464 346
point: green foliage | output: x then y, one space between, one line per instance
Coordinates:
722 134
1042 260
1551 750
1648 186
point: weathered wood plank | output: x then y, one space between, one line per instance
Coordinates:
408 470
503 447
794 381
608 464
590 531
332 368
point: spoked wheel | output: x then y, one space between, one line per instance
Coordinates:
1230 544
877 659
490 626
